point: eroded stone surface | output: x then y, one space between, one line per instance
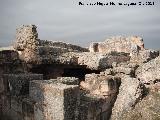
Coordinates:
130 92
26 37
100 61
54 100
144 56
100 84
114 61
149 72
119 44
147 109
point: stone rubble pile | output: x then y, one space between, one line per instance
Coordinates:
50 80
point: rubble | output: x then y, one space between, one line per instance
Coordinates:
147 109
52 80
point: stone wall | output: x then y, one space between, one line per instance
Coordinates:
69 47
133 45
14 89
28 44
124 70
26 37
56 99
118 44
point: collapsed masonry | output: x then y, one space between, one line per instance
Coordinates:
45 80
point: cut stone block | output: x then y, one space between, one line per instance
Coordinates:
54 101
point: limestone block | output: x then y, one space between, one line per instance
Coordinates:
130 92
93 61
55 101
3 85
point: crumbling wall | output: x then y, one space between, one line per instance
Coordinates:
26 37
82 95
40 51
9 63
118 44
15 89
69 47
133 45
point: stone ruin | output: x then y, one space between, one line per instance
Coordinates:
50 80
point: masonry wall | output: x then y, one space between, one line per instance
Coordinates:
15 92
